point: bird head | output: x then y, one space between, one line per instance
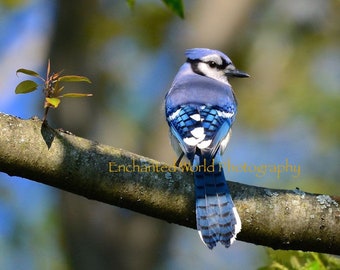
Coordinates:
213 64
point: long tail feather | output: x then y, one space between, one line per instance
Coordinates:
216 216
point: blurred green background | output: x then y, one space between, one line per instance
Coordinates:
288 111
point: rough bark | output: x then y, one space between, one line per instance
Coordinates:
281 219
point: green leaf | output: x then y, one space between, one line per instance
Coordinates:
26 87
76 95
176 6
28 72
73 78
52 102
131 3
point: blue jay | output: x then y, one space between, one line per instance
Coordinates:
200 109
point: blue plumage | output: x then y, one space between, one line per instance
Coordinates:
200 109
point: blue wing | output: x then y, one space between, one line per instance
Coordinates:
200 128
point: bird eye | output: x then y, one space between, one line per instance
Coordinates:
212 64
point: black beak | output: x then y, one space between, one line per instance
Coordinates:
237 73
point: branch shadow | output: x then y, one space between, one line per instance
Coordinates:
47 133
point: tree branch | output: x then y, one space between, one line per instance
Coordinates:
281 219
